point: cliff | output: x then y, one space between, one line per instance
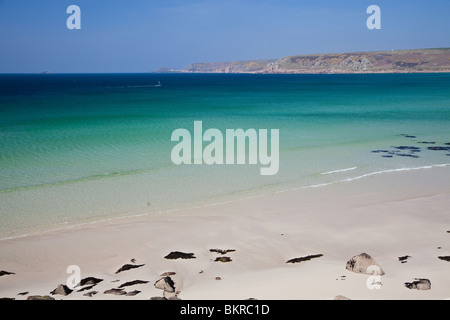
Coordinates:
401 61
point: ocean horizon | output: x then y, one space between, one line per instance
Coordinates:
78 148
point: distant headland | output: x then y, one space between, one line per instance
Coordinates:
395 61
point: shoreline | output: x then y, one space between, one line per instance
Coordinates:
223 199
387 216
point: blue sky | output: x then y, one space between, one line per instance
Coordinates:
144 35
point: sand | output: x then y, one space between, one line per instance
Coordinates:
386 215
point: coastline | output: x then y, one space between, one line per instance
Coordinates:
386 215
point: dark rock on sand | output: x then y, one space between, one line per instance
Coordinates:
168 274
445 258
361 264
127 267
86 288
62 290
5 273
90 294
157 298
40 298
223 259
6 298
132 283
404 259
174 298
132 293
117 292
419 284
307 258
23 293
179 255
89 281
165 284
218 278
222 252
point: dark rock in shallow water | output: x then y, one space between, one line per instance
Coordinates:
133 293
302 259
223 259
445 258
129 267
40 298
117 292
387 156
439 148
403 259
132 283
165 284
407 148
5 273
380 151
179 255
419 284
407 155
62 290
426 142
89 281
447 144
222 252
90 294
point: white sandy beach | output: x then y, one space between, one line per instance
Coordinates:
386 215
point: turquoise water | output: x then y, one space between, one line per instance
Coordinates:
79 148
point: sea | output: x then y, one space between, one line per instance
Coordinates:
81 148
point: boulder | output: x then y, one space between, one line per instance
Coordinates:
62 290
165 284
419 284
365 264
444 258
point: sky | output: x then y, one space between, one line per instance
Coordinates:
144 35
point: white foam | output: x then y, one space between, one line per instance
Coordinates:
341 170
